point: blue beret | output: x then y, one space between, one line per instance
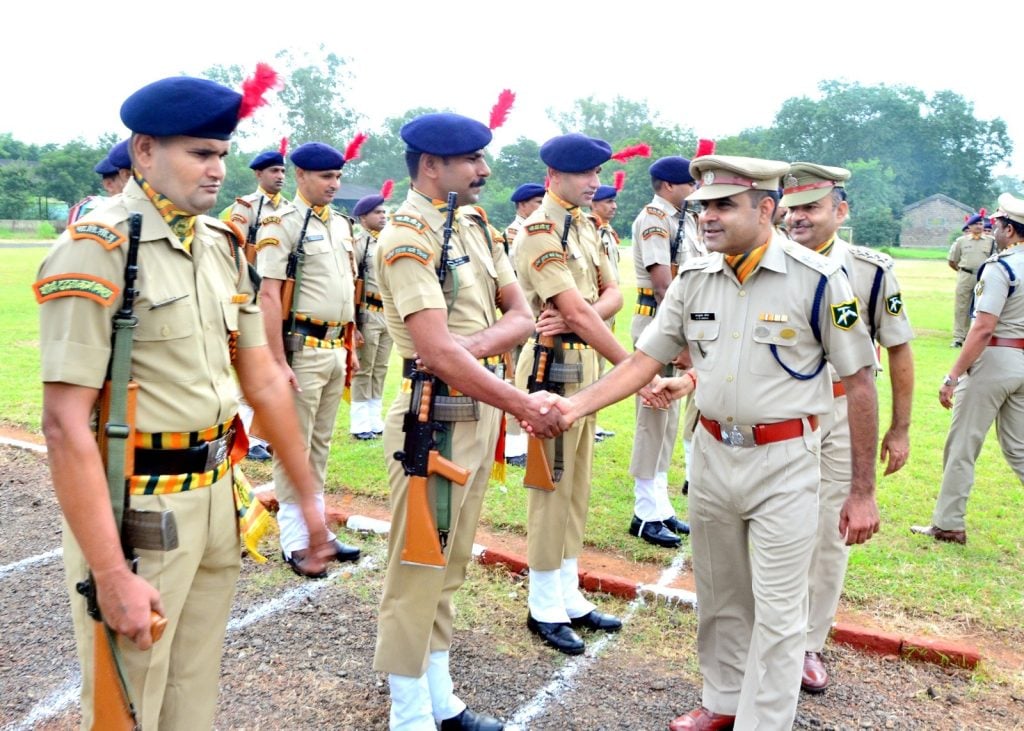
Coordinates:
182 105
118 156
266 159
105 167
445 134
526 191
575 153
604 192
366 204
976 218
317 156
672 170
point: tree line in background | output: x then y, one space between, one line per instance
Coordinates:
900 145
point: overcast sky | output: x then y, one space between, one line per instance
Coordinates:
717 68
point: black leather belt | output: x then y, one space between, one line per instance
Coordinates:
647 300
198 459
965 269
409 367
320 332
374 301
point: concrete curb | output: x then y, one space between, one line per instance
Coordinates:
914 647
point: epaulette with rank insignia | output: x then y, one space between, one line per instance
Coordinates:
695 262
810 259
870 255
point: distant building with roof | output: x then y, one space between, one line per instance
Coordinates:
932 221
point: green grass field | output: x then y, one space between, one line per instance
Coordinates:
896 574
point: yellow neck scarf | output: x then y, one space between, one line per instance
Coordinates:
745 264
181 223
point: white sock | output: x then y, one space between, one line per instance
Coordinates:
442 693
410 704
545 599
576 605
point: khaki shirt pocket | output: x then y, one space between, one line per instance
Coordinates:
165 346
703 337
784 336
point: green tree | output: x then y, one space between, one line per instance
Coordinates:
67 172
17 189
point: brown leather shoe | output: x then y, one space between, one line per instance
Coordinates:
815 676
701 719
946 536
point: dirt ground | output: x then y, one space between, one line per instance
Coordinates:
298 654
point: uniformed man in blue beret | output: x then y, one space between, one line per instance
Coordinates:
602 210
442 290
309 326
664 237
570 288
266 200
197 326
373 340
114 171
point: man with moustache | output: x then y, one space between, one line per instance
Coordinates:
664 237
759 317
816 198
196 327
319 337
571 290
441 301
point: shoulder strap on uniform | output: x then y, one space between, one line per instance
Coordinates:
876 287
819 294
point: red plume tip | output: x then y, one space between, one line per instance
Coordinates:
626 153
982 212
704 147
283 149
619 179
255 87
499 112
385 190
352 151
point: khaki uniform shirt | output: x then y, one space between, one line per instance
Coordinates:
992 293
327 288
410 249
969 253
654 233
511 231
188 306
366 246
730 329
244 210
883 313
610 243
545 270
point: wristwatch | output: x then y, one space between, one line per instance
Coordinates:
948 380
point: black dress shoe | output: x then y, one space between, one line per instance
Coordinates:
517 461
469 721
655 532
344 552
557 634
679 527
597 621
686 487
258 452
298 563
365 436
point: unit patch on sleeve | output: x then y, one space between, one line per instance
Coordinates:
653 231
91 287
108 238
403 219
546 258
267 220
544 227
270 241
407 250
894 304
655 211
844 314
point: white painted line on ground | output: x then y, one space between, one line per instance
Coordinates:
23 445
51 706
25 563
58 702
563 681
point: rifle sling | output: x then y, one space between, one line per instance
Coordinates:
558 467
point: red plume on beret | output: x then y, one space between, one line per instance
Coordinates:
704 147
966 218
385 190
352 151
283 149
619 179
255 87
982 212
499 112
627 153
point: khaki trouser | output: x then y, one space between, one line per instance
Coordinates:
556 520
368 381
993 391
962 303
416 607
753 518
175 683
828 562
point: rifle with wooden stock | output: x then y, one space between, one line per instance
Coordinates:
250 235
538 471
112 701
420 458
293 341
